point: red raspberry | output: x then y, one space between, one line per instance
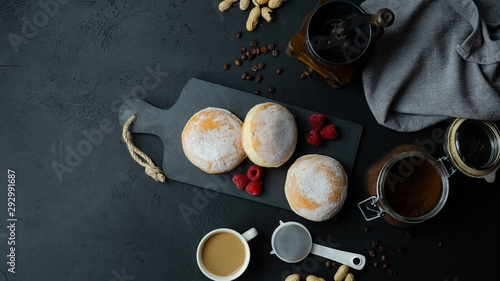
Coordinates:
317 121
254 187
241 180
329 132
254 172
314 138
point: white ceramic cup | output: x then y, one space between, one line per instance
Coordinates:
245 237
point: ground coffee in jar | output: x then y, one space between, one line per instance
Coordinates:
407 186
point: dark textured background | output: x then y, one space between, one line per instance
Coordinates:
104 219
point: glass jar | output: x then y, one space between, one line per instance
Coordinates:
409 186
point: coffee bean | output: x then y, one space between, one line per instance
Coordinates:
382 249
372 253
248 53
410 235
367 229
328 263
261 66
244 76
271 47
250 77
384 258
255 68
253 51
375 264
239 35
392 272
244 57
251 57
279 71
227 66
237 62
402 250
254 43
257 92
258 79
264 49
257 51
335 264
304 75
385 266
242 50
276 53
272 90
441 244
375 244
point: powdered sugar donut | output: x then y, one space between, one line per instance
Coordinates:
316 187
211 140
269 134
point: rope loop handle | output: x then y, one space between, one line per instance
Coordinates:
140 157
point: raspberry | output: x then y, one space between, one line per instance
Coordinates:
254 172
317 121
254 187
314 138
241 180
329 132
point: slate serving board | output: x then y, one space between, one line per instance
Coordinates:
197 95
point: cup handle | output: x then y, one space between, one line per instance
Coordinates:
250 234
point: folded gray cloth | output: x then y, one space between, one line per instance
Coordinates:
439 59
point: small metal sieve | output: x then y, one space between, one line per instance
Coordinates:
292 242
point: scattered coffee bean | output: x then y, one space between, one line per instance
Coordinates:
242 50
271 47
255 68
367 229
251 57
272 90
382 249
304 75
250 77
248 53
258 79
279 71
264 49
441 244
410 235
385 266
257 92
375 244
227 66
239 35
253 51
372 253
392 272
261 66
244 57
254 43
244 76
275 53
257 51
384 258
375 264
237 62
328 263
402 250
336 264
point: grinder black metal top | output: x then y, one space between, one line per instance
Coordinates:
335 39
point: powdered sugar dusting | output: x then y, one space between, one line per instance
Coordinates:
321 181
274 133
212 140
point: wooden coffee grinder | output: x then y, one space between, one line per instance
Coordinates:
335 39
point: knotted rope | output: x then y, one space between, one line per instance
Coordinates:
151 170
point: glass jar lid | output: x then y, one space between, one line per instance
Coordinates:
473 147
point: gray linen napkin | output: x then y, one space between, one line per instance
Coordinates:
439 59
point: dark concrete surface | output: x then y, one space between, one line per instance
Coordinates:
86 211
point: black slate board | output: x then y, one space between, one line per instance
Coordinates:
196 95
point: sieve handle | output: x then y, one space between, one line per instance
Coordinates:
352 260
